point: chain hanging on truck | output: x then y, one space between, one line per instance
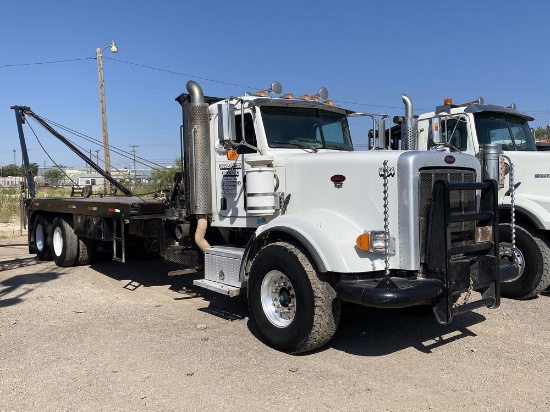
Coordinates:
385 175
512 192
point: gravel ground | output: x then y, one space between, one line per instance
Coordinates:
128 337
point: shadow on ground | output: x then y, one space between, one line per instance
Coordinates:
377 332
147 272
14 284
362 331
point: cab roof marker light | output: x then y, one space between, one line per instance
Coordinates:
287 96
329 102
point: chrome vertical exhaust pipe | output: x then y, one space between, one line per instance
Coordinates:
197 160
409 132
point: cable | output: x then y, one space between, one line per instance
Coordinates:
179 73
115 149
52 62
47 154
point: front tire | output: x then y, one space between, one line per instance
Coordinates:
293 306
65 243
533 255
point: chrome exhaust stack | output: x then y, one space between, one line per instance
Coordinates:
489 157
196 137
196 142
409 132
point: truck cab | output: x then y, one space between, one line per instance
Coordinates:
465 128
264 132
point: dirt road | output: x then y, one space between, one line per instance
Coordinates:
128 337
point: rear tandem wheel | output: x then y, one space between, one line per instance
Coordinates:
65 243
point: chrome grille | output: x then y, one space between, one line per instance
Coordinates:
461 201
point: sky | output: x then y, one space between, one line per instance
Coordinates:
366 53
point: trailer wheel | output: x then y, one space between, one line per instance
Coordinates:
85 251
533 256
43 233
292 306
65 243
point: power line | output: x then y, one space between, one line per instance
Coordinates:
233 84
180 74
539 111
50 62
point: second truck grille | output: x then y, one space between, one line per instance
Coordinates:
463 201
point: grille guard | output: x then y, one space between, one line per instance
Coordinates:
450 270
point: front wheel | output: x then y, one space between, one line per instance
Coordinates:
292 306
532 255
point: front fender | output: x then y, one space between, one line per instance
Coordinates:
329 239
538 210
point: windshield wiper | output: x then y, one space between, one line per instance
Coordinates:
299 146
327 146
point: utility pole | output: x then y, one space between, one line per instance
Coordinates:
107 157
14 162
133 146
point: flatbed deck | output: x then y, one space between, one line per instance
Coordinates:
123 207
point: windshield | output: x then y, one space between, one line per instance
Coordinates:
306 128
511 131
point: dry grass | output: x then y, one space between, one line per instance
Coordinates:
9 204
10 198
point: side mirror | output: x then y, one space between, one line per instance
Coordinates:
226 122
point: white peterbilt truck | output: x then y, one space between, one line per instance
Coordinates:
523 182
274 199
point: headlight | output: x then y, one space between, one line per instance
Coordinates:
372 241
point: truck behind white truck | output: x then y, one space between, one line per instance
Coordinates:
467 128
275 202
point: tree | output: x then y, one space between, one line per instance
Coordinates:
165 177
14 170
540 133
52 174
34 169
11 170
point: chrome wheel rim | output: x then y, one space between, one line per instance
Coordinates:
278 299
512 255
57 241
39 239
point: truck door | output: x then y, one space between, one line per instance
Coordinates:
229 181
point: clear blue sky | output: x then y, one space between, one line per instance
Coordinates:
366 53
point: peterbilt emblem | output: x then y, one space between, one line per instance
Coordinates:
338 181
449 159
391 172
